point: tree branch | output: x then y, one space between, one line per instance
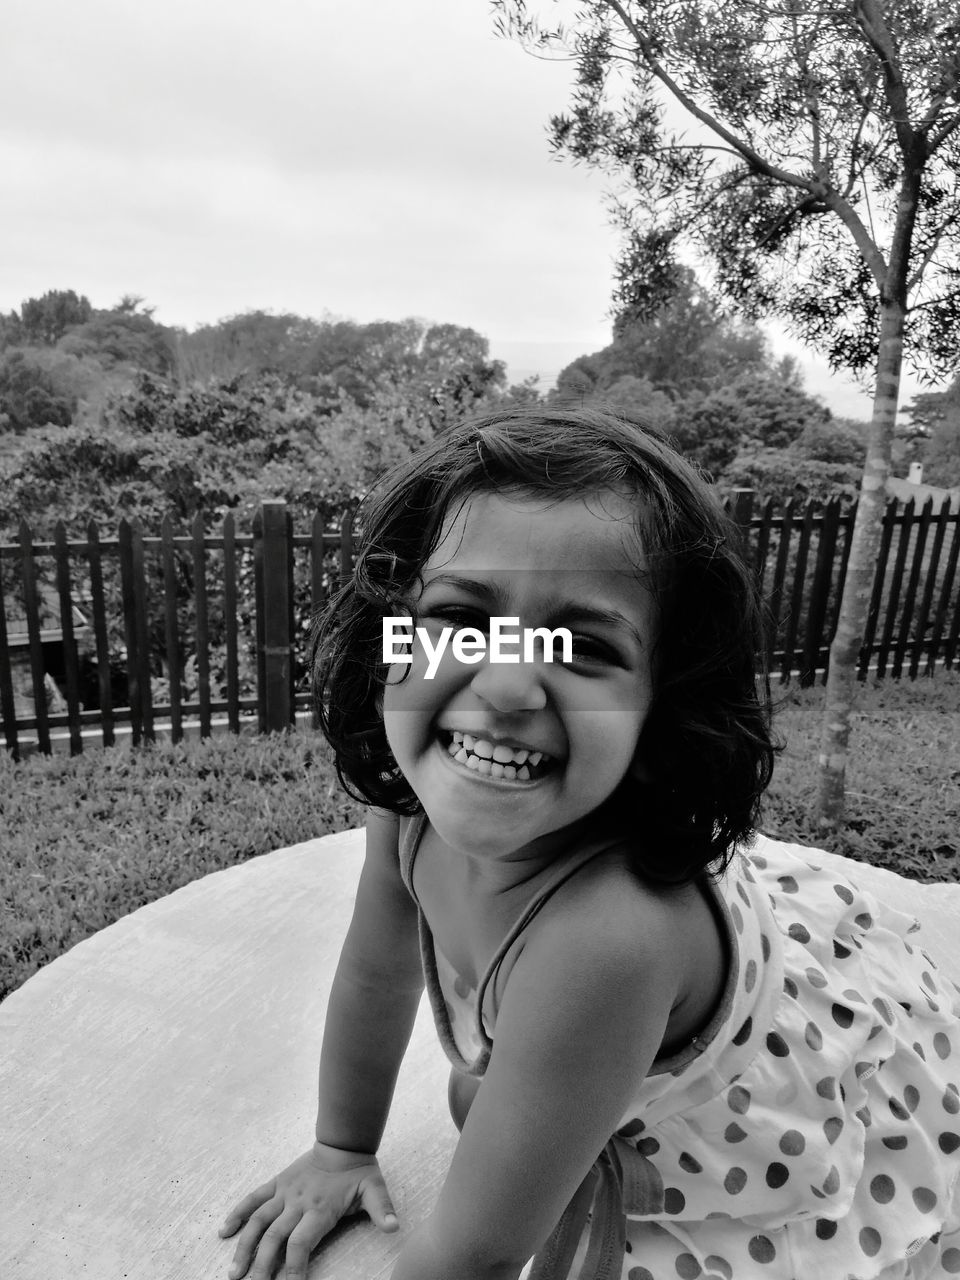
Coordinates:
752 157
936 142
949 296
869 18
872 255
810 99
927 258
854 172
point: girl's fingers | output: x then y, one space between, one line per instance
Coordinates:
248 1205
304 1238
252 1235
272 1243
375 1200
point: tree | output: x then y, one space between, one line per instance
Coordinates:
820 184
686 343
29 394
837 440
639 395
246 345
123 336
44 320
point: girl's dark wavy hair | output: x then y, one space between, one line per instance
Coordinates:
709 753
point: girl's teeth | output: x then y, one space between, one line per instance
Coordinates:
492 761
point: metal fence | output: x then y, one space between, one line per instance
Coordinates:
144 634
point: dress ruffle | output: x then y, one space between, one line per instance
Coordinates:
834 1140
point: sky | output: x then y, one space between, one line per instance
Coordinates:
371 160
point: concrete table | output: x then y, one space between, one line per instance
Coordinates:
166 1066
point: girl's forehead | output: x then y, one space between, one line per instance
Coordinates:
515 530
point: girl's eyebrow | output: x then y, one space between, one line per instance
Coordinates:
558 609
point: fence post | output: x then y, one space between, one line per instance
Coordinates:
273 560
741 512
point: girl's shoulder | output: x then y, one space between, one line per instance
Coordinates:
609 912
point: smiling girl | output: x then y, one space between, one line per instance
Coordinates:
671 1056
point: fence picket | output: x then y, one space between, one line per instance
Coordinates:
905 524
202 623
763 544
7 705
946 590
923 617
879 580
130 630
951 645
903 631
346 543
172 628
100 634
230 621
779 576
275 617
143 632
31 605
796 597
71 671
316 563
819 592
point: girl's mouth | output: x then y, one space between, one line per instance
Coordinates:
495 760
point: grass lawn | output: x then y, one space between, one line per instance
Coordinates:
89 839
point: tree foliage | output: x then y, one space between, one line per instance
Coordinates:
941 457
43 321
684 343
334 358
812 123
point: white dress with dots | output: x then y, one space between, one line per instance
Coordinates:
811 1130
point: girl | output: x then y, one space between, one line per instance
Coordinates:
669 1057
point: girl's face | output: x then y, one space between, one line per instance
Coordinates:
509 758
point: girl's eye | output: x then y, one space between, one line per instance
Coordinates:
590 650
456 615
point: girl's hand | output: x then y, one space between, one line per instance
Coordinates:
296 1209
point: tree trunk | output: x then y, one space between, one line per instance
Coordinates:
855 601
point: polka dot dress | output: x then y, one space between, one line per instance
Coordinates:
812 1129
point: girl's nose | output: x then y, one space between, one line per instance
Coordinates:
510 686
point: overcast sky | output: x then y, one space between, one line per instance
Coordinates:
369 160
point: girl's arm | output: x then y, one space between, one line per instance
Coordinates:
373 1000
581 1020
370 1014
